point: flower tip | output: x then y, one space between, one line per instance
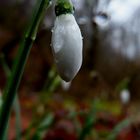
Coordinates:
69 74
66 78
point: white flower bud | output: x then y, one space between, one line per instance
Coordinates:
65 85
125 96
67 46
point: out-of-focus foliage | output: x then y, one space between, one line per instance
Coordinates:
111 64
117 43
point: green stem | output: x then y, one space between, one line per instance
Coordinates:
16 104
90 121
118 128
5 66
18 118
18 68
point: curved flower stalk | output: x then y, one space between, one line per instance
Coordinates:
18 68
67 44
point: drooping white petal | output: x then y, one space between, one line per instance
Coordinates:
67 46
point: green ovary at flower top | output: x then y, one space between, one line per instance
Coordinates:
63 7
67 43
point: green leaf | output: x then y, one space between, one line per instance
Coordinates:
125 123
43 127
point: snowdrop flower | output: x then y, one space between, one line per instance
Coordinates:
125 96
65 85
66 41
